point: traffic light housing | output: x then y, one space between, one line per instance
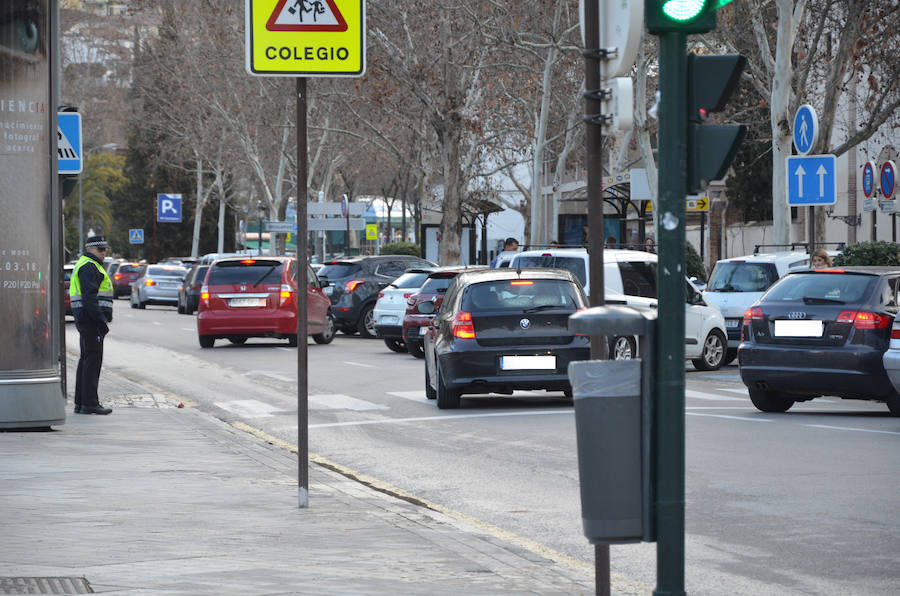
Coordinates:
685 16
711 148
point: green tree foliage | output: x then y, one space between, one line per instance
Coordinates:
880 252
694 264
750 186
400 248
101 178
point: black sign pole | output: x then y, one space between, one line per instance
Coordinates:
302 266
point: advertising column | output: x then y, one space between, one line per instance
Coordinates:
30 380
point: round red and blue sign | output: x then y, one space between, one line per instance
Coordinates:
868 178
888 178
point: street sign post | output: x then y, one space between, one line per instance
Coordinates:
136 236
168 208
888 178
806 129
868 178
69 148
811 180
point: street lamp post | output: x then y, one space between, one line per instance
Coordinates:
80 195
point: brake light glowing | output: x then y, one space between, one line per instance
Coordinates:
895 333
248 261
149 282
117 276
285 294
865 320
829 270
521 282
204 296
380 295
753 314
351 285
462 326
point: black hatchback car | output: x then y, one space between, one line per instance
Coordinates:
820 332
189 293
354 284
500 330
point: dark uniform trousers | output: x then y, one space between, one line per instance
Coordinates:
87 376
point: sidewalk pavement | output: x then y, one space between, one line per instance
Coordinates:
155 499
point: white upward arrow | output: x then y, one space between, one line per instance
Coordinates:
800 172
821 172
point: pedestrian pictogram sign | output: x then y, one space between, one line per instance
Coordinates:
68 133
324 38
136 235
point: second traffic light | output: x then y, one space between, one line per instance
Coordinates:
684 16
711 148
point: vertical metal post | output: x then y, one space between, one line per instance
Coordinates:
594 164
669 410
811 235
302 282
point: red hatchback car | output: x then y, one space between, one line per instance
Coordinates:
414 322
122 278
257 297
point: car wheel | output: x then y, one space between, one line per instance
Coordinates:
730 355
206 341
415 348
366 325
770 401
713 353
395 345
430 393
622 348
180 308
327 336
447 399
893 404
131 302
292 340
237 340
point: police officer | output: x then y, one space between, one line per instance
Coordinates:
91 294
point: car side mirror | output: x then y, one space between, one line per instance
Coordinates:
425 308
324 282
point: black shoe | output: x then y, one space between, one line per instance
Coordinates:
77 409
95 410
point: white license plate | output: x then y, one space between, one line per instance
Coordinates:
328 290
799 328
248 302
732 323
423 330
389 320
528 362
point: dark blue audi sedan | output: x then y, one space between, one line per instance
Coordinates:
501 330
821 332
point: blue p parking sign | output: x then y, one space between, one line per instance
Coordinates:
168 208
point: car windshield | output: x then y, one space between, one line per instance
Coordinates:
821 287
200 272
737 276
166 271
436 285
128 269
521 295
410 280
246 271
337 270
574 265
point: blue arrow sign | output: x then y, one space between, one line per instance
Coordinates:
136 236
868 178
888 179
68 142
168 208
811 180
806 129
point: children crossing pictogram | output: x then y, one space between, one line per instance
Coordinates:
306 15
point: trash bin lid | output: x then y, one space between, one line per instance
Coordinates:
612 319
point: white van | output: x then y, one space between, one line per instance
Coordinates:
736 283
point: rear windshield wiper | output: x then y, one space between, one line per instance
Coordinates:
265 275
821 300
542 307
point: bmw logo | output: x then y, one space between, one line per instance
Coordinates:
525 323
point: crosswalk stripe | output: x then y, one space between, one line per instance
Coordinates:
711 396
249 408
339 401
744 418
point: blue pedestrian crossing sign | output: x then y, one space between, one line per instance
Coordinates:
168 208
68 142
811 180
806 129
136 236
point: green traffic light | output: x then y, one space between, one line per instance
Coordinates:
684 10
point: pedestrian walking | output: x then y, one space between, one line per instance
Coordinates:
91 295
820 259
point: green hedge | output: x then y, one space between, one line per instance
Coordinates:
880 252
400 248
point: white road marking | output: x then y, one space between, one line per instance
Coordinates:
710 396
271 374
359 364
249 408
410 395
744 418
862 430
156 322
338 401
448 417
286 349
188 329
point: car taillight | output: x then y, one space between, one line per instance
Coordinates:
380 295
582 334
285 294
407 295
753 314
865 320
353 284
149 282
117 276
895 333
204 296
462 326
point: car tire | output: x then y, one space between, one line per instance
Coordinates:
430 393
893 404
180 309
730 355
712 355
206 341
395 345
327 336
622 347
771 402
415 348
238 340
447 399
292 340
131 302
366 324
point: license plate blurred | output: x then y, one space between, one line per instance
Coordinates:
248 302
732 323
528 362
423 330
799 328
389 320
328 290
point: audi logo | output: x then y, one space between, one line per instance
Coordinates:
795 315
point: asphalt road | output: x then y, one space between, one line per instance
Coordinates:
800 503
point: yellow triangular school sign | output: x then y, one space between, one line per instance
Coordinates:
311 38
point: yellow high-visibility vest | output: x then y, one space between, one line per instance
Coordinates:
104 296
